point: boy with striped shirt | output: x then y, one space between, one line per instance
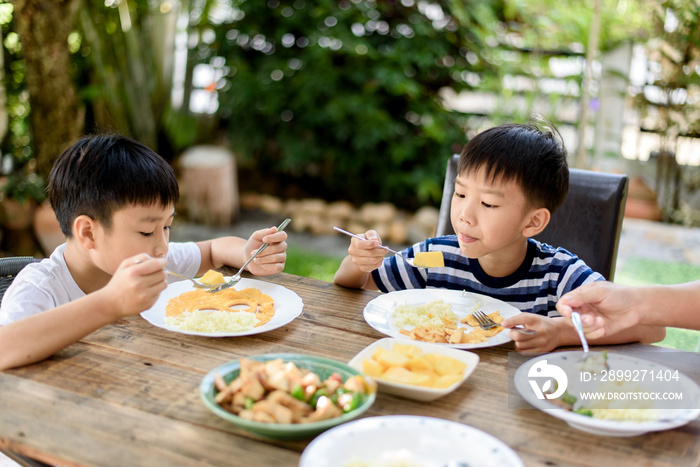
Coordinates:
510 179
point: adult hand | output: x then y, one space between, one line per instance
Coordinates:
605 308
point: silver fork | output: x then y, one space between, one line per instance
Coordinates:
485 322
237 277
408 261
196 283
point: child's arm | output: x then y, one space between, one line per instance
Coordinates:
558 332
133 288
364 256
234 251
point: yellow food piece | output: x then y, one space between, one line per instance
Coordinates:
400 374
212 277
406 349
393 358
422 369
372 368
429 259
445 381
420 365
444 365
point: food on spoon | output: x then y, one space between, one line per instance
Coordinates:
212 277
407 364
279 392
429 259
200 311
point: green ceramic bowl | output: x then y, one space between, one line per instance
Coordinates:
323 367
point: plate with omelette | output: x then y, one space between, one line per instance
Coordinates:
251 307
440 316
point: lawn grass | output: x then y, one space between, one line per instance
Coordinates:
308 264
641 271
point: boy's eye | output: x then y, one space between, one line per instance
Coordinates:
458 195
486 205
147 234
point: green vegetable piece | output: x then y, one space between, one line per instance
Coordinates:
298 392
249 401
586 412
316 395
354 403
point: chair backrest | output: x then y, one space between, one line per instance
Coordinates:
588 223
10 267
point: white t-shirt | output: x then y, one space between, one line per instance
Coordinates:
48 284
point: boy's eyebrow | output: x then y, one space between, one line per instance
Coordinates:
488 191
155 218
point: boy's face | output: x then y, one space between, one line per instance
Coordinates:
489 217
135 229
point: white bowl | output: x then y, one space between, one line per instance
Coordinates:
410 391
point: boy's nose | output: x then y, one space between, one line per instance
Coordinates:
161 247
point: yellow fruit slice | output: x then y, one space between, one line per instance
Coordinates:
444 365
400 374
212 277
429 259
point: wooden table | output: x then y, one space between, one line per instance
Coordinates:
127 395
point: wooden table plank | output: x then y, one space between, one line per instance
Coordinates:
132 388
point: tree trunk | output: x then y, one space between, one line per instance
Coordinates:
57 115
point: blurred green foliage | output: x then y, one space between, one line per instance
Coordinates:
347 93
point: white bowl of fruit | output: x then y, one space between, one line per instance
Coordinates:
416 370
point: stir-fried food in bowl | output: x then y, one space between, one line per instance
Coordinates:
279 392
287 396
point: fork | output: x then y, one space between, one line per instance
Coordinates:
196 283
406 260
485 323
237 277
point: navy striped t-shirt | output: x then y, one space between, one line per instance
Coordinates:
546 274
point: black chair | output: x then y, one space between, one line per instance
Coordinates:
10 267
588 223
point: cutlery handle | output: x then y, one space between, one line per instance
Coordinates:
576 319
359 237
264 245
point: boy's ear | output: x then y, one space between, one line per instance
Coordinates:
538 220
84 231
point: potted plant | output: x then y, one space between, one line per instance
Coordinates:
20 195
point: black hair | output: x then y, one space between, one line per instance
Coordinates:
534 158
100 174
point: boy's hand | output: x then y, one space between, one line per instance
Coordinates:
136 284
272 259
366 255
544 341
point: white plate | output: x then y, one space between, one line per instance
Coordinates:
426 441
687 409
378 312
408 390
288 305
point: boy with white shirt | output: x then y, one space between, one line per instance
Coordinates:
115 201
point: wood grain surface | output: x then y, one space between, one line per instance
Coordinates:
128 395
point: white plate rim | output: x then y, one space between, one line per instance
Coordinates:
327 441
417 392
601 426
288 305
377 312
